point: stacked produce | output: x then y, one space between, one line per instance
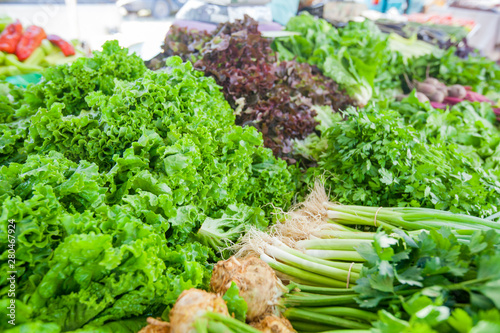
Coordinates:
421 269
121 182
364 51
245 290
28 50
355 57
125 190
387 154
275 97
442 96
375 158
400 270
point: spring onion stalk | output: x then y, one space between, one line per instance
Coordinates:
338 264
319 290
332 244
311 278
304 315
344 234
311 327
292 279
336 255
409 218
342 227
310 266
216 327
304 299
344 312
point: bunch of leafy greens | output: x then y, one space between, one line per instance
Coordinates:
432 282
70 85
275 97
375 158
469 125
352 56
116 185
66 88
359 58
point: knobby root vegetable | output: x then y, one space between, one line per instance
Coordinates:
273 324
422 98
438 96
191 305
426 88
457 91
256 281
156 326
430 80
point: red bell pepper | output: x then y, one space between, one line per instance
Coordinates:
66 48
31 39
10 37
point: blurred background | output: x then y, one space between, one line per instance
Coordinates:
142 25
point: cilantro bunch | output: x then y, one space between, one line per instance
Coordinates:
471 126
432 282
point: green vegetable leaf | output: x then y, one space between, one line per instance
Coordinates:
236 305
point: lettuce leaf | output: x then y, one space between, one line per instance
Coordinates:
236 304
351 56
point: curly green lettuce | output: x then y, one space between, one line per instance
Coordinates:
111 196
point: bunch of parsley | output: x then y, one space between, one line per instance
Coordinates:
375 158
433 282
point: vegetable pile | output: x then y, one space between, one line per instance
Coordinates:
125 191
28 51
441 96
120 180
242 291
352 56
422 269
275 97
374 158
393 153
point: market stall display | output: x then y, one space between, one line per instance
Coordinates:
486 15
320 179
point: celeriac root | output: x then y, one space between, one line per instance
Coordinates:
156 325
191 305
256 281
274 324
